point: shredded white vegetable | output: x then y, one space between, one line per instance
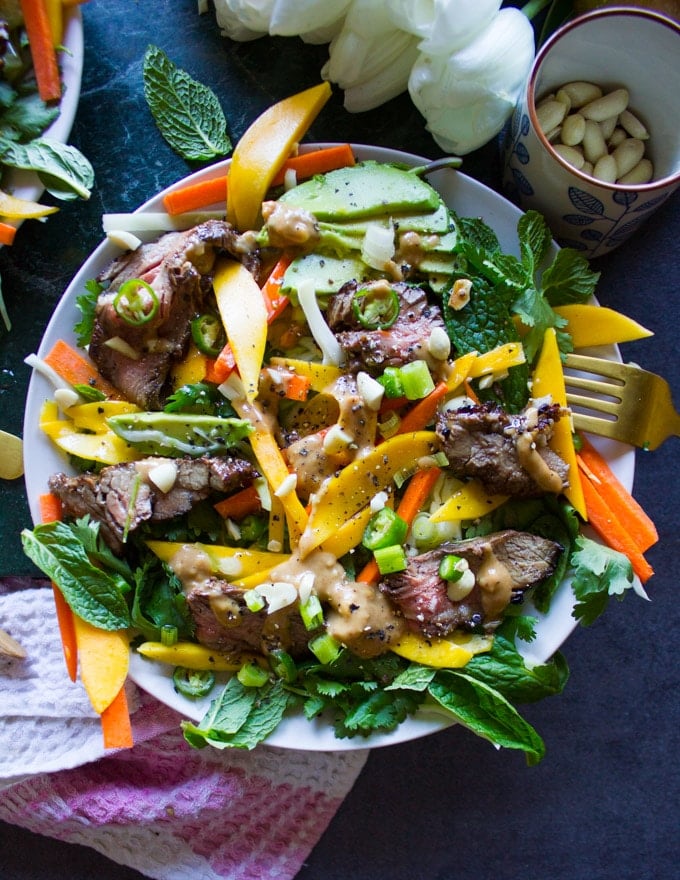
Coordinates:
156 221
323 336
39 365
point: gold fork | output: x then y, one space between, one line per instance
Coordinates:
630 404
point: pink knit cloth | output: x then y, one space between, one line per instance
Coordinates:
163 808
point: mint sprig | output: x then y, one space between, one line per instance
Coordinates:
187 113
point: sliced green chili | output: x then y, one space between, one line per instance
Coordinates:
136 302
208 334
376 308
193 682
451 567
383 529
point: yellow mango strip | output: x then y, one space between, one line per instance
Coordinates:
103 656
444 653
244 315
548 379
499 359
321 375
193 656
190 370
264 147
471 501
92 416
49 412
272 465
101 445
14 208
460 370
237 561
596 325
55 16
344 495
277 524
348 535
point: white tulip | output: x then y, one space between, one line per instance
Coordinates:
293 18
243 20
467 96
443 26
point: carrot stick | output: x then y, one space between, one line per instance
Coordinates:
317 162
7 233
195 196
239 504
50 511
419 487
296 387
629 513
115 721
219 369
423 412
43 53
608 527
74 368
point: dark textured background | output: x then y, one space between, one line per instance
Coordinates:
603 805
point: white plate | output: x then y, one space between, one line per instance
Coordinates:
25 184
469 199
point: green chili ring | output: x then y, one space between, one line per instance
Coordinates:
376 308
208 334
136 302
193 682
383 529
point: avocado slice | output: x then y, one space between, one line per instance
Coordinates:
327 272
178 434
368 189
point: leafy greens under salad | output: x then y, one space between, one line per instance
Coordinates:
141 585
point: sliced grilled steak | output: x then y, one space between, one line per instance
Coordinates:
178 267
225 623
373 350
124 494
509 454
505 565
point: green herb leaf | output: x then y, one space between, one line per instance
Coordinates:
569 279
186 112
86 304
92 594
599 572
63 170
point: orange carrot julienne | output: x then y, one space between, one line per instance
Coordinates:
419 487
296 387
629 513
50 511
74 368
316 162
7 233
195 196
423 411
43 54
116 725
604 521
239 504
219 369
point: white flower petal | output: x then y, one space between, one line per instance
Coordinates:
290 18
243 20
443 26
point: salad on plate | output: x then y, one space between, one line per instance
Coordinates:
314 470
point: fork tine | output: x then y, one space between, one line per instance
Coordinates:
593 403
598 366
602 427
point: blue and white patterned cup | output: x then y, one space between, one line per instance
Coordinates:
612 47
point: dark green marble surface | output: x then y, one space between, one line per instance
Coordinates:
603 804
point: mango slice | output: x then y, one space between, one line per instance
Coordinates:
104 658
444 653
597 325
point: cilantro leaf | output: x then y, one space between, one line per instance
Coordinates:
599 573
187 113
87 304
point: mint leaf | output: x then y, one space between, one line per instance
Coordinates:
599 573
187 113
92 594
569 279
63 170
534 240
486 712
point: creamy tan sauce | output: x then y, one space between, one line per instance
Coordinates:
495 583
288 226
413 247
360 617
533 462
192 566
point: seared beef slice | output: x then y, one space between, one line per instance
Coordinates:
178 267
505 564
124 493
509 454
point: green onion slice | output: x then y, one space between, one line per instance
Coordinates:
136 302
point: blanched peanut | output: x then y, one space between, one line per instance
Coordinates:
642 173
573 129
605 169
627 155
596 133
608 105
550 114
581 93
633 126
594 146
572 155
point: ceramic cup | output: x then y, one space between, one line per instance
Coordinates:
612 47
